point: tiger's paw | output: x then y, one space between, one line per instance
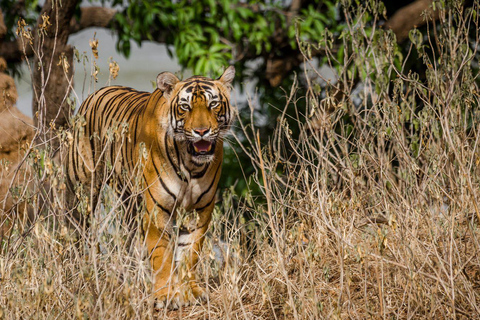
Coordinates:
174 303
198 292
181 299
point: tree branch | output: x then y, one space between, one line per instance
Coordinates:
3 28
12 51
410 17
101 17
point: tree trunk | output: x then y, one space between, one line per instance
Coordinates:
52 69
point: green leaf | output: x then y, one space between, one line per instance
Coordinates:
244 12
219 47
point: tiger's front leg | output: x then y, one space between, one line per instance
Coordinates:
159 246
175 281
189 246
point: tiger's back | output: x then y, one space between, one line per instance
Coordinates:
106 119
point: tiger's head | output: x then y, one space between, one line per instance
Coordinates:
200 112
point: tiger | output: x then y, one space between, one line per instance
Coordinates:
177 134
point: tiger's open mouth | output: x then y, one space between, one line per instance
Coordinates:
202 147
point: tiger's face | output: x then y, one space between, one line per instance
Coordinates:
200 112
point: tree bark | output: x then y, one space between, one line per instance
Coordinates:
99 17
52 71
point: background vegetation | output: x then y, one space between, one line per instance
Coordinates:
367 186
260 37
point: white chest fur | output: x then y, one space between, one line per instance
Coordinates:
192 191
186 196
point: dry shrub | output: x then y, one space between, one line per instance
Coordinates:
368 211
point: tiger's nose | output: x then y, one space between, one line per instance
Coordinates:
201 131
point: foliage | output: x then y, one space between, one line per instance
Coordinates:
208 34
13 12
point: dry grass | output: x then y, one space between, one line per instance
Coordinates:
370 211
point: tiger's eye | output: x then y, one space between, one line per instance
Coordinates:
185 107
213 104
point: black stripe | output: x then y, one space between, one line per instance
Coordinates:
200 174
182 231
177 169
91 112
128 106
126 145
113 105
180 244
89 134
156 247
134 145
197 164
156 202
135 128
178 154
206 89
174 110
209 187
95 107
225 105
207 205
119 114
163 183
199 80
73 159
112 156
139 113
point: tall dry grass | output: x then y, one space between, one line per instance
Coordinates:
368 211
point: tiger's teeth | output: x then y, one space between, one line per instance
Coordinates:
202 146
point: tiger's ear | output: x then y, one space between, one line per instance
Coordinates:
166 81
227 76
